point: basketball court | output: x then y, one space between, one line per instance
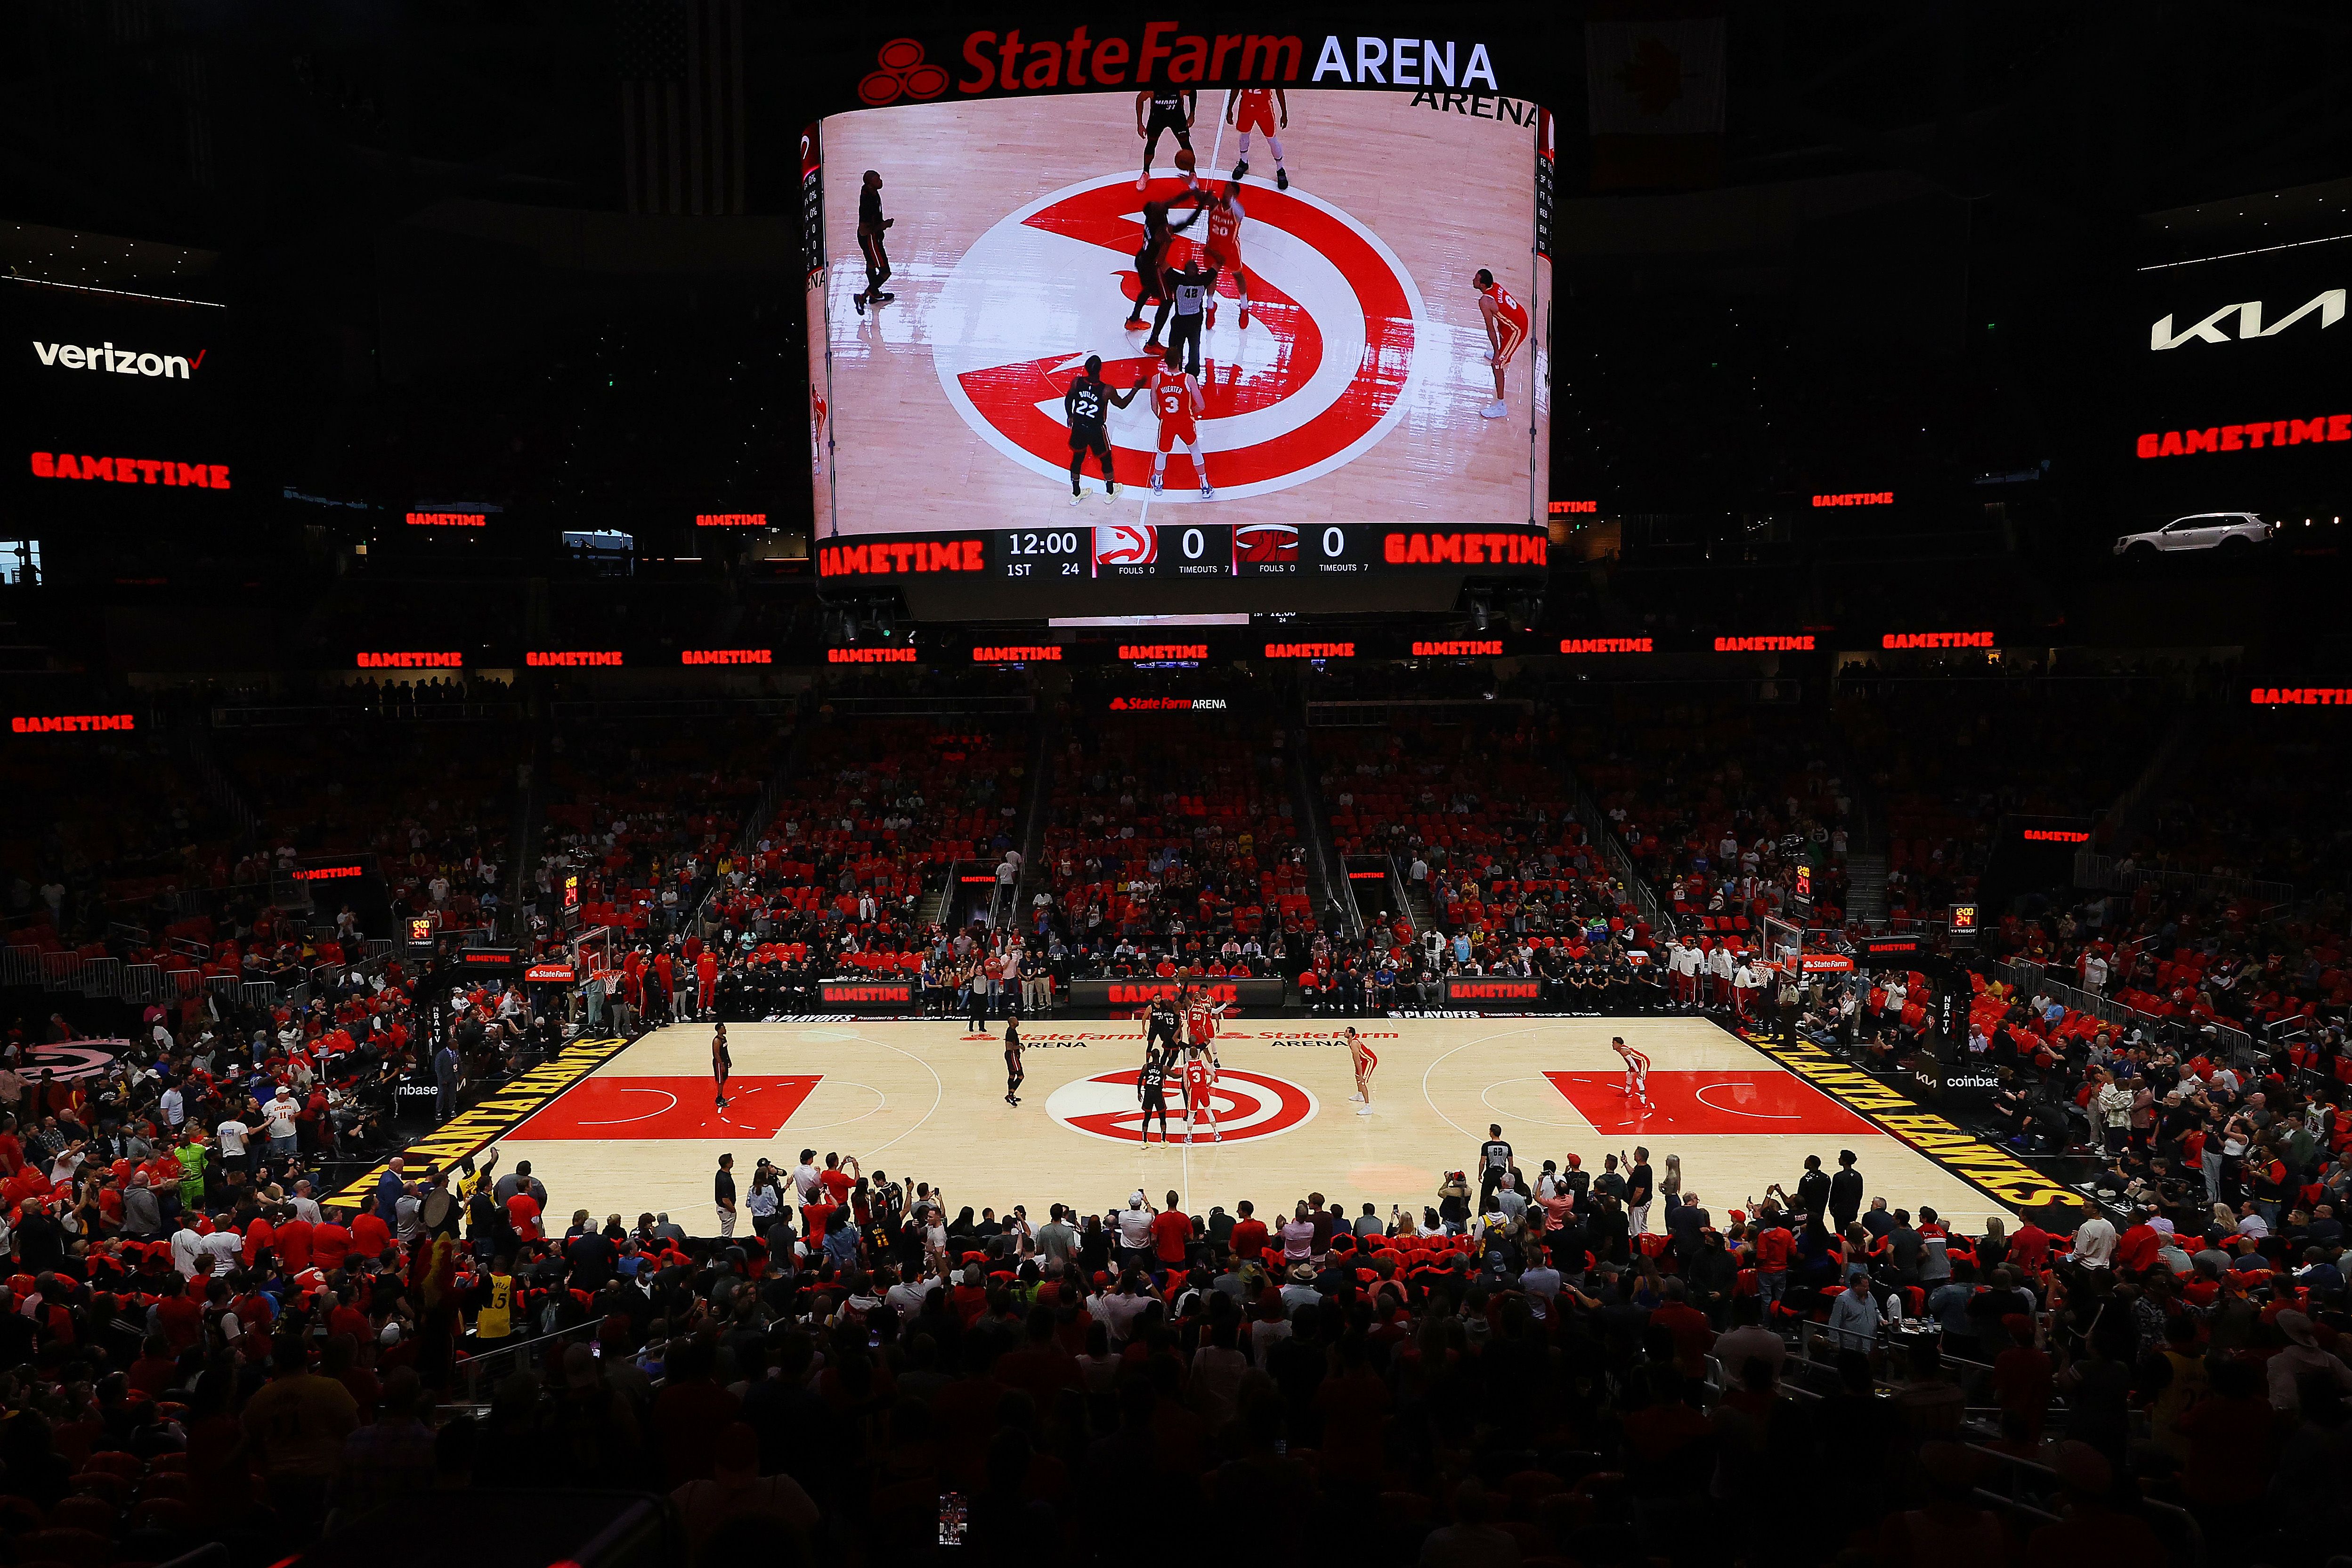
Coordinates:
1353 392
923 1099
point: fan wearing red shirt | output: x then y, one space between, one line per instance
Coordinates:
370 1235
294 1245
837 1183
1771 1244
1249 1235
2136 1249
330 1245
523 1214
1171 1231
2029 1249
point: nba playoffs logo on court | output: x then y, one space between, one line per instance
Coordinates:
1324 370
1248 1105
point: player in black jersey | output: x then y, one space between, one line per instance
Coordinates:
1151 1090
1085 405
1158 109
1013 1071
1160 1027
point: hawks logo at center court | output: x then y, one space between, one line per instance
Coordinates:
1249 1105
1323 372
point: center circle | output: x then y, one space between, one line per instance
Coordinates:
1248 1105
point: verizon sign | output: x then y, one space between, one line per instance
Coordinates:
2328 305
109 360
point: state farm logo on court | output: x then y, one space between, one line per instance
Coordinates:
1335 352
1248 1105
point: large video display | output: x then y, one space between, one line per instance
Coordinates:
2236 394
1336 314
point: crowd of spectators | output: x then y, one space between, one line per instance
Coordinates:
1547 1362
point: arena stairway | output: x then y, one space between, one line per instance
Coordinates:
1865 895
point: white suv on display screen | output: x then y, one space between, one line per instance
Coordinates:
2205 531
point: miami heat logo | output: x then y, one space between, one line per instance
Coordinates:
1331 357
1249 1105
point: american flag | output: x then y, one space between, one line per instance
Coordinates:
681 67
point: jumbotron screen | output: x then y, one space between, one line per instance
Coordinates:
1350 284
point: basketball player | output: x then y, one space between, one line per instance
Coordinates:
1507 329
1176 396
1165 108
1151 1091
1362 1054
1084 407
1637 1069
1013 1071
1201 1092
1151 281
1254 108
817 429
721 1065
870 225
1224 248
1201 1016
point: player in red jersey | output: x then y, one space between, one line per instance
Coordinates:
1507 329
1200 1093
1637 1069
1201 1016
1224 251
1254 108
1176 397
1362 1054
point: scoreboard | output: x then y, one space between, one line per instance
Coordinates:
1147 568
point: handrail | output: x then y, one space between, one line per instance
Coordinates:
522 1354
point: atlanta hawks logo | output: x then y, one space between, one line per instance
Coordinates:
1249 1105
1330 360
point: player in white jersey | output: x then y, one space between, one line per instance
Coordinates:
1637 1069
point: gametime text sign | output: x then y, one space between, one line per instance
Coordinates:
1765 644
1310 650
1465 548
328 873
994 61
1245 993
1492 991
897 557
731 520
2301 696
1607 645
1857 498
896 995
1474 648
2254 438
701 656
131 471
412 660
68 723
573 658
871 655
447 520
1018 653
1937 639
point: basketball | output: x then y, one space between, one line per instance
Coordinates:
1184 158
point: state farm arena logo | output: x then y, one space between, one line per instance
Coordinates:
1249 1105
1323 372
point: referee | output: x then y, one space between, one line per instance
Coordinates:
1084 407
1191 295
870 225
